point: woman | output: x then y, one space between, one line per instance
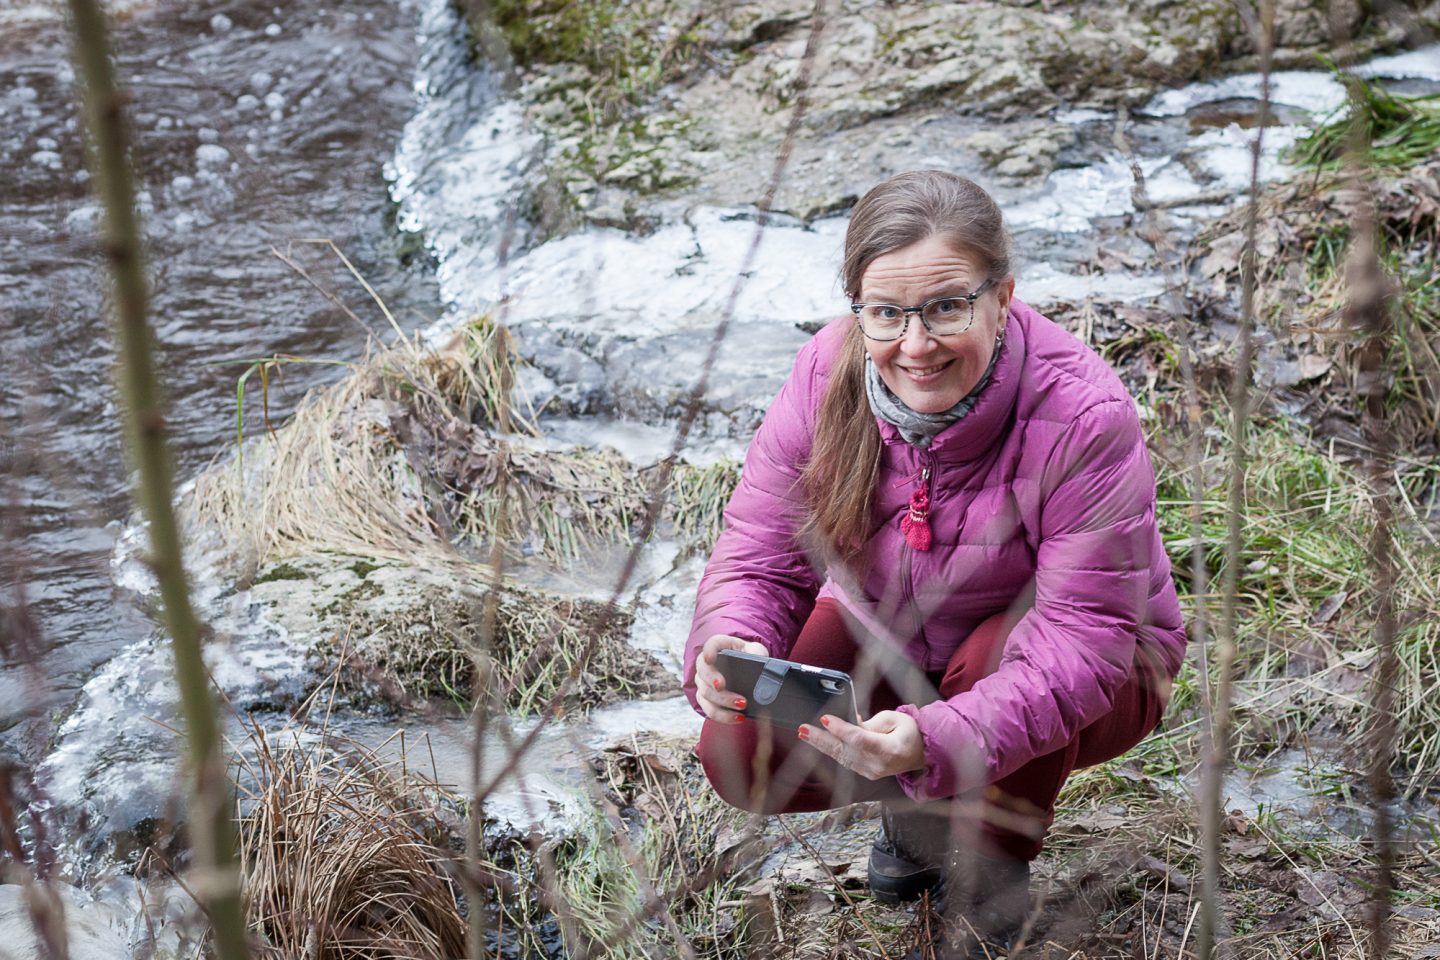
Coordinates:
951 499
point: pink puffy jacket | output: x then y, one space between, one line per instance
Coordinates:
1045 483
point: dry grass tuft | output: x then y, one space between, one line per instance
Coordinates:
427 647
341 858
400 460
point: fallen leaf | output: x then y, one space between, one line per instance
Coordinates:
1251 849
1328 890
1099 821
729 838
1313 365
1224 254
1329 607
1163 871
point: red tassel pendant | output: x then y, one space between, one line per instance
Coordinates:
916 524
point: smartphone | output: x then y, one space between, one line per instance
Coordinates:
786 693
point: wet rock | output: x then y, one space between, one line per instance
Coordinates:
92 930
665 127
1023 151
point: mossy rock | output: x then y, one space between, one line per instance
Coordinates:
400 633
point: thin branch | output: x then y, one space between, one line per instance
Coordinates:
217 878
1367 314
1218 746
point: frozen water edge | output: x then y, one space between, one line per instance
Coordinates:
546 791
1314 90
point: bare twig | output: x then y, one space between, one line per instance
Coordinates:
1367 314
217 878
1218 745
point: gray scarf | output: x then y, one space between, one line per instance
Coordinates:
918 429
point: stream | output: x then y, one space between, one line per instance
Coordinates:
250 145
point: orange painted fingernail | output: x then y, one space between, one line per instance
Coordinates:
803 733
740 703
739 718
825 722
717 683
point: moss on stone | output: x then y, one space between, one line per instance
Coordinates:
281 571
363 568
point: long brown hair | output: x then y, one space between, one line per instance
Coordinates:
839 478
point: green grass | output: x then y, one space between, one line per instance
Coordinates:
604 885
1398 131
698 496
1305 541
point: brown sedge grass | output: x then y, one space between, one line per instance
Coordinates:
334 478
343 853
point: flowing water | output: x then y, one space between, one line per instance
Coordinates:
371 125
247 138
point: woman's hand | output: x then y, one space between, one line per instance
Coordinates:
717 702
886 744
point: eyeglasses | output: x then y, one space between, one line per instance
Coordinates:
942 317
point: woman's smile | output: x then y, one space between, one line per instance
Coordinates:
925 374
929 373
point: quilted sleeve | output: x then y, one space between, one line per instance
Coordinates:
759 584
1067 657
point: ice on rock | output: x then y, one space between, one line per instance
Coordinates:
221 23
1309 90
83 219
1422 64
211 155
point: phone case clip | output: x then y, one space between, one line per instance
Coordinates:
771 679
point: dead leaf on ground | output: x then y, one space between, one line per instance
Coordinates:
1251 848
1164 872
1330 606
1328 891
1312 366
1097 821
1224 254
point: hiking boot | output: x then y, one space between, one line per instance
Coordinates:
908 856
979 913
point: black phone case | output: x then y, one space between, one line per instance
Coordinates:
785 693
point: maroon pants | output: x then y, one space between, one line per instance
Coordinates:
767 770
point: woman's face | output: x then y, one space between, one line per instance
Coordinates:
931 374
